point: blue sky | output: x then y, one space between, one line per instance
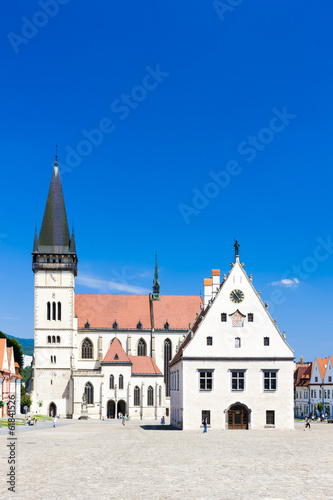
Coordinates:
179 128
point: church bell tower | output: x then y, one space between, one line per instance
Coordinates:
54 263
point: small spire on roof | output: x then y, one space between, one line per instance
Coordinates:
156 283
56 155
35 248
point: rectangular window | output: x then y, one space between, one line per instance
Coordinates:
209 340
205 414
266 340
330 379
250 317
312 393
270 380
206 380
237 342
329 394
320 394
177 380
325 395
270 417
237 380
316 379
296 394
315 393
223 317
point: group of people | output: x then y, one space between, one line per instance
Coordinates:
32 421
122 418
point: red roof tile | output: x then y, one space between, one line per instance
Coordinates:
116 354
178 310
3 346
322 363
144 365
102 310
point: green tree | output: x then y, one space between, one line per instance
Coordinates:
26 400
320 407
18 352
26 372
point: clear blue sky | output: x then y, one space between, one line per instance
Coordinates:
214 126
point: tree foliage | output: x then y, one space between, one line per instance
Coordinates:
18 352
26 372
320 406
26 400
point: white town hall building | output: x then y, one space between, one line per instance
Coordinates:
234 368
142 355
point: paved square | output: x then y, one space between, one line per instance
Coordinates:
83 460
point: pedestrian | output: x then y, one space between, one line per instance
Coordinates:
123 419
163 420
36 421
29 420
204 422
307 424
54 422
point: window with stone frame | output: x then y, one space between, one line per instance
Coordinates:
89 392
266 341
206 380
237 380
205 414
136 396
87 349
270 417
209 340
224 317
250 317
111 381
142 347
121 382
270 380
150 396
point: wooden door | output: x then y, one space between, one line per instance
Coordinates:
237 417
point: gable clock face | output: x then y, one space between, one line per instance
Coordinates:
53 279
236 296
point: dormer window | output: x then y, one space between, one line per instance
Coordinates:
166 326
139 325
115 325
87 325
116 357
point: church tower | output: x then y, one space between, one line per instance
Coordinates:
54 263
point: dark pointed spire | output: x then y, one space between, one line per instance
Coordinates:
72 247
54 233
35 248
156 283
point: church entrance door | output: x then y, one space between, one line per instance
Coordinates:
121 407
52 410
111 409
237 417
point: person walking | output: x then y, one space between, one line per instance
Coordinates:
307 424
204 422
123 419
54 421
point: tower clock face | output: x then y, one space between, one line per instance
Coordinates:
237 296
53 279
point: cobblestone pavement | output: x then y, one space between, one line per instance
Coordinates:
86 460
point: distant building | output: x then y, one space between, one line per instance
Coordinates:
234 368
302 377
10 379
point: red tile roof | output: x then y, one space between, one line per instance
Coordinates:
144 365
302 374
102 310
322 363
178 310
116 354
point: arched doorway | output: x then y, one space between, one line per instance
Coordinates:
238 417
52 410
111 407
121 407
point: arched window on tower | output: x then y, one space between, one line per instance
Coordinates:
150 396
53 339
49 311
59 311
142 348
58 339
121 382
49 339
53 311
89 392
167 359
111 381
136 396
87 349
